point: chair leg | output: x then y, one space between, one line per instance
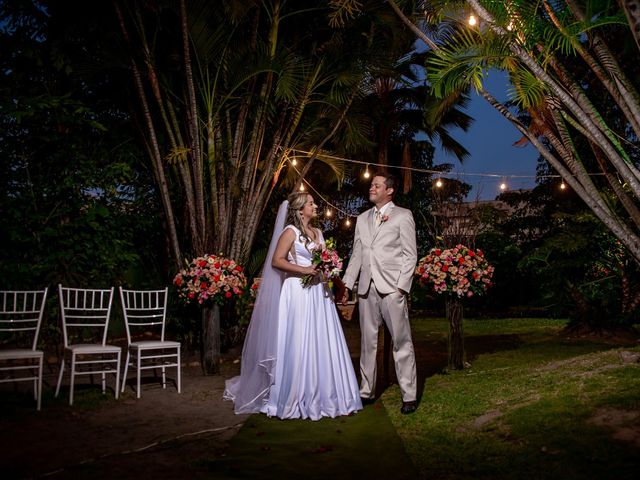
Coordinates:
39 388
178 374
103 377
117 374
73 374
138 360
126 369
164 377
60 375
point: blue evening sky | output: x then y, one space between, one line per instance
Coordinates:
490 141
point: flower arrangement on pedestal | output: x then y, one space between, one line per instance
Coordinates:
210 280
457 272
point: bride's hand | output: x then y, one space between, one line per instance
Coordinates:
310 270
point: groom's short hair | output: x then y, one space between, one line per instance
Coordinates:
390 180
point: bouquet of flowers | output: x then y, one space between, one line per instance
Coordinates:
326 258
459 270
210 278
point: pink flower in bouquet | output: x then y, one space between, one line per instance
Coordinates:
210 278
459 270
327 260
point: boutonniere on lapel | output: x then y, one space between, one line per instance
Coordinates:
384 218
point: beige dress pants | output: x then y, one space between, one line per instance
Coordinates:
392 309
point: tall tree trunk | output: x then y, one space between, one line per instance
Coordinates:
194 137
632 11
156 157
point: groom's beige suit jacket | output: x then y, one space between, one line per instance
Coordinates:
386 254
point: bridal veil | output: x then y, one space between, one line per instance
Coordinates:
249 391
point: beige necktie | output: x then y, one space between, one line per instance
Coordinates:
378 218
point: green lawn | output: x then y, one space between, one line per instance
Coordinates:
548 407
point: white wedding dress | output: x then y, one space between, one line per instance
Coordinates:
314 375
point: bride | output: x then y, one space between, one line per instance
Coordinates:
295 361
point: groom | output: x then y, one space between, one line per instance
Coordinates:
383 261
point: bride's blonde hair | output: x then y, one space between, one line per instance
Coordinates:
296 203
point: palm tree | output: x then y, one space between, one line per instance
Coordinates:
226 93
539 45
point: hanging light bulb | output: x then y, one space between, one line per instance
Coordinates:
366 171
562 185
302 187
327 212
472 20
347 222
439 183
294 162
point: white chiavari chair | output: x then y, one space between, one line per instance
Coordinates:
20 319
145 313
85 320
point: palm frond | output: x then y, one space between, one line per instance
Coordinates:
526 89
450 145
464 62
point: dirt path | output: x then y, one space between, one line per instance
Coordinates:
161 435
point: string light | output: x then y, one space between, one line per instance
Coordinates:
366 171
472 20
294 162
439 172
328 212
439 183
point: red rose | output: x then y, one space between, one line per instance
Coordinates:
216 265
178 281
238 268
437 251
191 295
445 268
460 260
202 263
203 285
228 294
471 254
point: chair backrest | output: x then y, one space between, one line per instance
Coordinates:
144 309
21 313
85 309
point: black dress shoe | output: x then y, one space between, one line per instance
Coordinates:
408 407
367 401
